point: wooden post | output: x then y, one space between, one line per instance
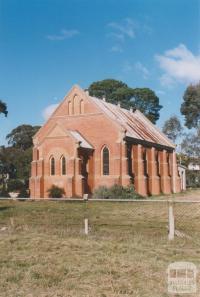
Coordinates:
171 222
86 226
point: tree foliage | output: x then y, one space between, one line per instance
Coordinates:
15 185
191 145
106 88
15 162
147 102
3 108
190 107
21 137
172 128
116 91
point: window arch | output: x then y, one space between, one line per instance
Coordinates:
105 161
52 166
63 165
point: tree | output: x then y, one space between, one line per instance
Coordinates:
191 145
172 128
190 107
116 91
3 108
21 137
15 160
147 102
16 163
105 88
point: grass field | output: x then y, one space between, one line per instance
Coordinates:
44 252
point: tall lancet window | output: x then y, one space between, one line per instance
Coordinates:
145 162
157 163
63 165
81 107
105 159
168 164
52 166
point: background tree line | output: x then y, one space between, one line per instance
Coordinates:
15 160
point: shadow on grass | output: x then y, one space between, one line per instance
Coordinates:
4 208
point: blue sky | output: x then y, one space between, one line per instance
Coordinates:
48 45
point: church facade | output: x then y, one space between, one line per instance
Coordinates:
88 142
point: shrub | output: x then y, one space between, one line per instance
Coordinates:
193 179
4 193
56 192
15 185
23 193
116 192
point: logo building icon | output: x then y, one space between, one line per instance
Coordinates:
182 278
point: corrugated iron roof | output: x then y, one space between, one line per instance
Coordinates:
137 125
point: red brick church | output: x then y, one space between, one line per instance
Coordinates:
88 142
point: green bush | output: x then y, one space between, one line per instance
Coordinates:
23 193
15 185
4 193
56 192
193 179
116 192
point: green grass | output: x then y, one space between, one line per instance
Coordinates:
44 252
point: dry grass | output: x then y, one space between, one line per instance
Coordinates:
44 252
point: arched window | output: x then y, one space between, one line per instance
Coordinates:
168 164
105 159
145 162
52 166
76 105
69 107
63 166
81 106
157 163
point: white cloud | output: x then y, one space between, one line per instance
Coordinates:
140 67
123 29
179 65
63 34
133 67
48 111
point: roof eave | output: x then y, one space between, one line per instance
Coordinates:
149 143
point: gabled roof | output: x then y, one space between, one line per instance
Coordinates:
137 125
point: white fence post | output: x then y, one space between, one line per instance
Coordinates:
171 222
86 226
